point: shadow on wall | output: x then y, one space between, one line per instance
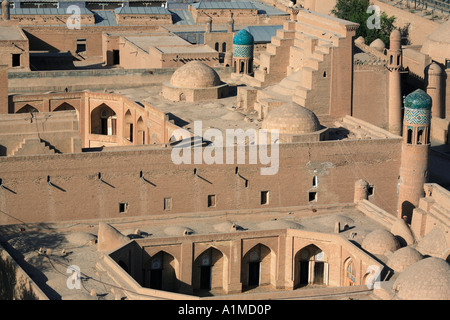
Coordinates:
3 150
10 287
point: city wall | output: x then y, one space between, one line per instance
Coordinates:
148 180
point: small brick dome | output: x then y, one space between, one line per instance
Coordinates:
291 118
195 74
427 279
403 258
380 241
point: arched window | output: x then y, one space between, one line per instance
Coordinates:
409 136
224 47
216 46
420 137
350 273
103 120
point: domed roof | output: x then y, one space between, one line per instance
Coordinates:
244 38
395 35
291 118
378 45
418 99
403 258
427 279
434 69
195 74
380 241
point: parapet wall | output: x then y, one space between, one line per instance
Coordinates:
338 164
15 284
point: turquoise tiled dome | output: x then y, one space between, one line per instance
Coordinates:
418 99
244 38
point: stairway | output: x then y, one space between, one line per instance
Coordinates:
32 146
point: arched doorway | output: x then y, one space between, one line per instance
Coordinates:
140 128
159 272
27 109
128 123
258 265
103 120
311 267
64 107
209 271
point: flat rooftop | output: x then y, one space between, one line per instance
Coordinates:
11 33
156 40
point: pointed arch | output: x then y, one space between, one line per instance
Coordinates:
103 120
140 128
128 126
258 267
27 109
349 272
210 270
64 107
310 266
160 272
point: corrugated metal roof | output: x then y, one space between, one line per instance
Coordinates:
45 11
263 33
224 5
142 10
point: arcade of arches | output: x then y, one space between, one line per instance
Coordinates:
277 262
104 119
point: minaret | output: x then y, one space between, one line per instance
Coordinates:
415 148
5 10
243 43
434 89
395 88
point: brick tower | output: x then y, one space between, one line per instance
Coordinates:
395 90
415 148
243 43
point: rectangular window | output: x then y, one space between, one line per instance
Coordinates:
211 200
123 207
264 197
312 196
81 45
167 204
16 60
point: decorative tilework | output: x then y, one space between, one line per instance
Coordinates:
418 99
417 116
243 37
242 51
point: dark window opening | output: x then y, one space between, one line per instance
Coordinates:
409 137
312 196
116 57
16 60
123 207
370 191
81 45
253 273
205 277
211 200
264 197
